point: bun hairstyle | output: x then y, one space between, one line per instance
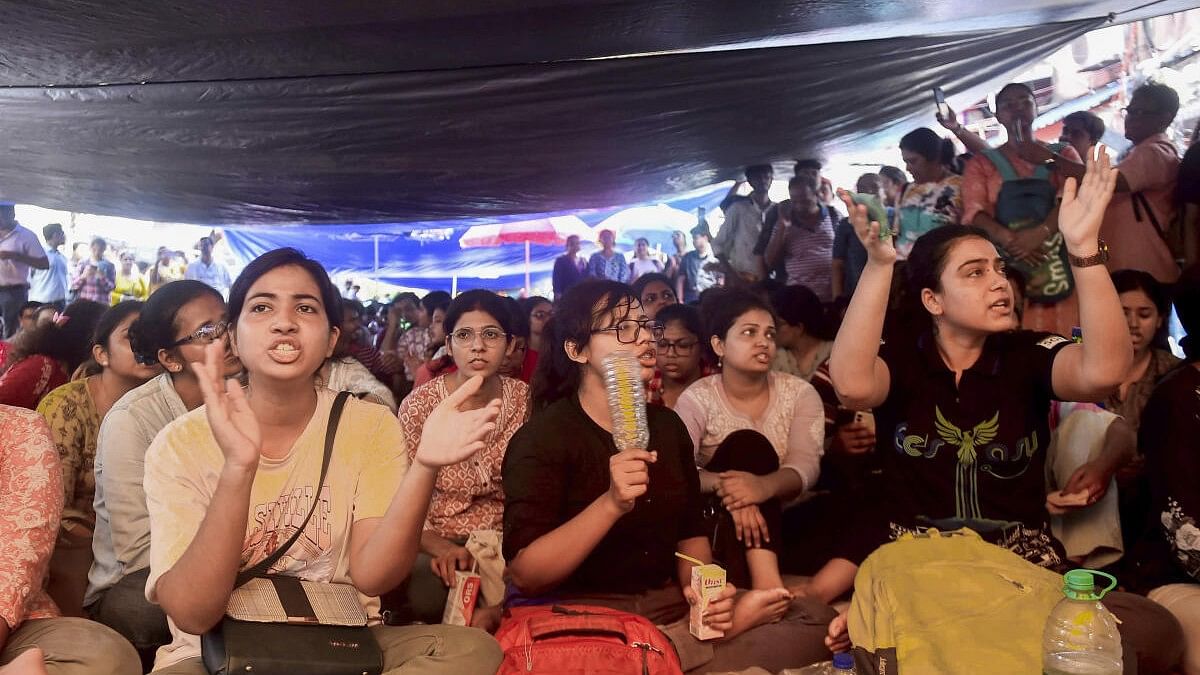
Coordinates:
926 143
581 311
155 328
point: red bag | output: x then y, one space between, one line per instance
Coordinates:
576 639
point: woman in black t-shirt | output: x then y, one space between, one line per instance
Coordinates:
962 410
586 523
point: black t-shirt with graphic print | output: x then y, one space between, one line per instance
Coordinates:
971 454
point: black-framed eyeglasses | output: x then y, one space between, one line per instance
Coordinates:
629 330
205 334
465 337
680 347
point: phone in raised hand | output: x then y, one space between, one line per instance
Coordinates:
939 98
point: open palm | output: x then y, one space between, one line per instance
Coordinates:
1082 209
450 434
233 423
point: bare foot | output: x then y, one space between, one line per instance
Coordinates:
485 618
757 607
29 662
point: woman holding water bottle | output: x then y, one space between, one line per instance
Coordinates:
584 523
962 406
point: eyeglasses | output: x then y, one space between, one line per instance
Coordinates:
542 314
651 298
209 332
629 330
680 347
465 337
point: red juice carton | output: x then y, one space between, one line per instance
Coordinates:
707 583
460 603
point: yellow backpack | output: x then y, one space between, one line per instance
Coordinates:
949 602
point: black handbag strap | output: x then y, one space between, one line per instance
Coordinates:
335 414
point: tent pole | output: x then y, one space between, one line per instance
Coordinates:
527 268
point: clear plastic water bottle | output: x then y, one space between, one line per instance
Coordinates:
1081 636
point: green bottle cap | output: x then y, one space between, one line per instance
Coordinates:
1081 585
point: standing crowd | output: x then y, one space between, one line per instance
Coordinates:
817 386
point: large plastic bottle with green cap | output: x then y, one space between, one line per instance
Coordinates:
1081 636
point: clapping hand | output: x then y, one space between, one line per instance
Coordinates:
233 423
451 434
879 250
1084 202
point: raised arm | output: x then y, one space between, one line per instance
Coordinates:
1089 371
860 377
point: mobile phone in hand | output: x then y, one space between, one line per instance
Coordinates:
939 98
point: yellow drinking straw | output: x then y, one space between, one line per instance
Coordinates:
688 558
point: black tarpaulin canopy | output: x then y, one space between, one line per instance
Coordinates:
307 111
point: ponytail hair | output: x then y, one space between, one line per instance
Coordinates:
926 143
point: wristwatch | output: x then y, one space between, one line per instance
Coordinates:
1098 258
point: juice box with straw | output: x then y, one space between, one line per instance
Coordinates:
707 583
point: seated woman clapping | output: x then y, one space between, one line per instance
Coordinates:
226 483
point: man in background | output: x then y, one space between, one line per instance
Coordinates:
208 270
49 286
19 251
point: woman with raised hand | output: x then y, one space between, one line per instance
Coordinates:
962 407
468 496
585 523
214 475
74 412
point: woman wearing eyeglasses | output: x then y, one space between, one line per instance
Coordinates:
586 524
681 358
175 325
468 496
758 436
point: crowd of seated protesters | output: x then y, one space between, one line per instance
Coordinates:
787 442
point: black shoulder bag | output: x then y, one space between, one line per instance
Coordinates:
281 625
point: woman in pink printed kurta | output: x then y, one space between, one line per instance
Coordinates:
467 497
31 503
